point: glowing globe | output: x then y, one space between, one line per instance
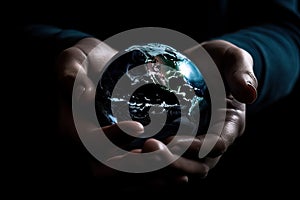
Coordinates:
147 81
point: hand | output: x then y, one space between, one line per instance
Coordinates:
84 62
236 68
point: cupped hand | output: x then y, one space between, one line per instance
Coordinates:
236 68
84 62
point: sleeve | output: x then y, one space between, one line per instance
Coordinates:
275 48
51 39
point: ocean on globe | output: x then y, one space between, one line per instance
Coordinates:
146 81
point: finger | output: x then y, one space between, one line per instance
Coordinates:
220 136
154 155
191 167
123 132
186 165
174 175
162 177
232 127
160 154
193 146
211 162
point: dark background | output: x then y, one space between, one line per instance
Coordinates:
264 161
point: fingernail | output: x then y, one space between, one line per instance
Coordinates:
253 92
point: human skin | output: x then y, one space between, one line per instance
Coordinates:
236 68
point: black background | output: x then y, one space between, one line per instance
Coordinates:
264 161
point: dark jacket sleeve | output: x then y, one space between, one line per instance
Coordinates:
275 47
51 39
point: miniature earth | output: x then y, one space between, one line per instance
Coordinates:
156 80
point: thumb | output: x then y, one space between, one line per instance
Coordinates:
236 67
239 76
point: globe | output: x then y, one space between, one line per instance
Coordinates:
155 85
